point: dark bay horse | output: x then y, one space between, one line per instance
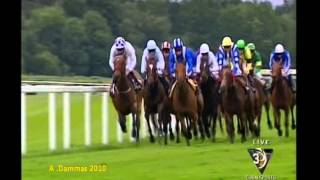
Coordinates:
156 101
233 103
125 99
209 89
281 98
185 104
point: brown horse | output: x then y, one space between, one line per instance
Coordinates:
185 104
156 101
281 98
211 99
233 103
125 99
261 96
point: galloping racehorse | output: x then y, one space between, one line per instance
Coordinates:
125 99
156 101
185 104
281 98
233 103
209 89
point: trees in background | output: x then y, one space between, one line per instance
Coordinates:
74 37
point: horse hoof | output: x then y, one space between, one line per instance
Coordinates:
152 139
124 129
239 132
279 133
133 134
287 134
171 137
208 135
293 126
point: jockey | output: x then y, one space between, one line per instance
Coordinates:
120 47
257 62
228 54
207 55
282 55
247 66
181 53
241 45
153 50
166 51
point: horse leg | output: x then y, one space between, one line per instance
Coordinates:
122 122
206 123
214 123
238 126
286 123
267 106
189 126
160 129
165 128
258 126
170 127
276 114
155 125
230 127
220 122
200 124
177 130
183 128
293 123
134 129
243 120
147 116
137 127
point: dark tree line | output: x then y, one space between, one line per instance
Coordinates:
73 37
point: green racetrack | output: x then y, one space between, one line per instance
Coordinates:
202 160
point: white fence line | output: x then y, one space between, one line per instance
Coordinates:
66 91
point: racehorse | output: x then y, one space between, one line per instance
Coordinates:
209 89
155 101
125 99
281 98
233 103
185 104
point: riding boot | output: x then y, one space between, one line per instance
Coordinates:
251 83
164 83
135 82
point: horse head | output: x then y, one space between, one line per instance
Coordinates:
152 77
226 78
119 67
180 72
204 69
276 72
